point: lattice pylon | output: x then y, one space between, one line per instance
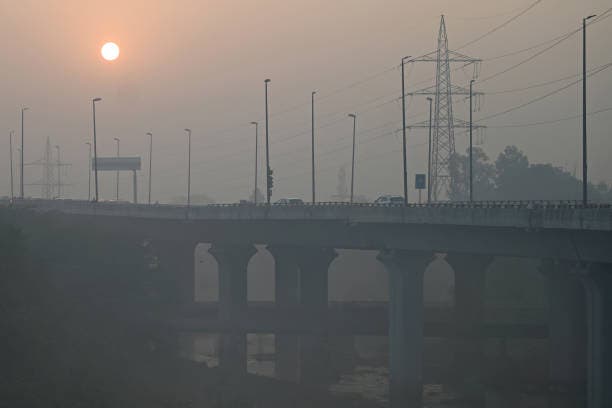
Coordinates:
443 146
443 123
48 184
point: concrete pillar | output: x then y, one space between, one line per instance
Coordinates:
314 349
232 262
567 333
287 299
597 281
177 270
173 284
468 355
406 269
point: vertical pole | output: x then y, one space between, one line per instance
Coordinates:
117 176
404 135
150 163
313 147
135 184
471 159
429 155
352 115
19 155
21 171
585 178
268 192
188 167
89 173
95 148
59 172
256 157
11 163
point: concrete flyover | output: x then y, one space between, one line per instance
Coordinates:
573 243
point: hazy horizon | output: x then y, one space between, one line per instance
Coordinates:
201 64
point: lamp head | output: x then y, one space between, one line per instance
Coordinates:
590 17
254 123
116 138
429 99
149 134
188 130
267 81
352 115
97 99
88 143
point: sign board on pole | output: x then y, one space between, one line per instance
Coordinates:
117 164
420 182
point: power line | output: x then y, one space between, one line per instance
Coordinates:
499 27
541 84
549 122
534 56
556 91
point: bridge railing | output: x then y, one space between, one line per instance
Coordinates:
528 204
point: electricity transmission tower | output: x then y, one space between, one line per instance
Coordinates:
444 122
50 185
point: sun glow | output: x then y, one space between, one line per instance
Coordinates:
110 51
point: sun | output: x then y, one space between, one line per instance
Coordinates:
110 51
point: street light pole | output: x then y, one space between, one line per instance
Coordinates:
471 128
404 132
585 179
268 191
188 167
117 176
313 145
11 162
429 155
93 103
354 116
19 155
89 172
59 172
256 157
150 162
21 166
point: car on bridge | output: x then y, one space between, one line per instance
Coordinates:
388 199
289 201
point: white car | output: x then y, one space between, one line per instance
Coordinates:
289 201
389 200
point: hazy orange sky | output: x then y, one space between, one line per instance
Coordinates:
201 64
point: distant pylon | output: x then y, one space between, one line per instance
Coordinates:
444 122
48 183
